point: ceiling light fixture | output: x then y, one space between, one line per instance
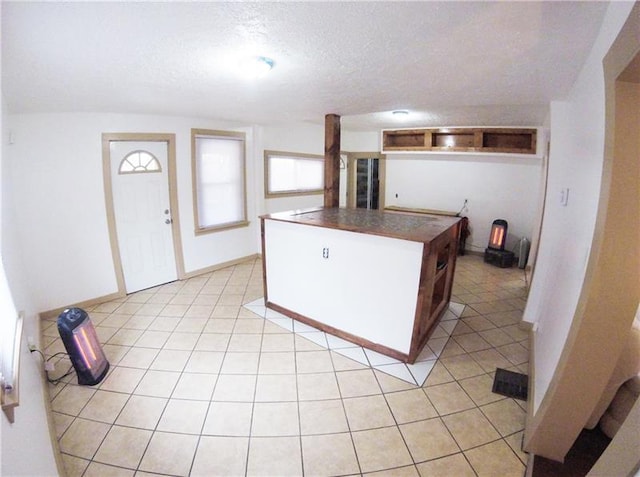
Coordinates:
400 114
257 66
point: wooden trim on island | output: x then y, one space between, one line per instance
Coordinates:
434 292
340 333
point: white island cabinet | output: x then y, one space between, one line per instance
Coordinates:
378 279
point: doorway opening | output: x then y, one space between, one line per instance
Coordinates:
366 180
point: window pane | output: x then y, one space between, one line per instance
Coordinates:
220 181
288 174
139 161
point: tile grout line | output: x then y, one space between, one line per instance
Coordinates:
474 358
210 400
344 410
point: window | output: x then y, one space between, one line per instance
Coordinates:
218 168
288 173
139 161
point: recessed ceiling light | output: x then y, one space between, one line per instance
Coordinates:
256 66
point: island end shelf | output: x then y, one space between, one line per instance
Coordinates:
381 280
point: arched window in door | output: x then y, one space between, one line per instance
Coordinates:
139 162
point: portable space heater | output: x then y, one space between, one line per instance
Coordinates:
495 252
82 345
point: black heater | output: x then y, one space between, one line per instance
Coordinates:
495 253
82 345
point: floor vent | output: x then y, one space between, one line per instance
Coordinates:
511 384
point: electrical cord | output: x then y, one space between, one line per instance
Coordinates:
39 352
57 380
46 360
466 201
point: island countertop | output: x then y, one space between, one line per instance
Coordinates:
400 225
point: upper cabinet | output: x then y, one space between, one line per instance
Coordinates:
466 140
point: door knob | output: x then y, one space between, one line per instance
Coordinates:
167 221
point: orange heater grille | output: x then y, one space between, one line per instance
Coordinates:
498 234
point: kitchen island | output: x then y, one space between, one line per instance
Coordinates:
378 279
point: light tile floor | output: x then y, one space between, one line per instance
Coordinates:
415 373
201 385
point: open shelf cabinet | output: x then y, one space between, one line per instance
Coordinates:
495 140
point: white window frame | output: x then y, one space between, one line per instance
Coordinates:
198 186
268 193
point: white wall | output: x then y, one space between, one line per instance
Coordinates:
360 141
575 162
27 449
497 187
25 445
57 179
355 141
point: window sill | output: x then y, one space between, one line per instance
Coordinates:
296 193
222 227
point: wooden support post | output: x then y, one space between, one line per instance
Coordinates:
332 160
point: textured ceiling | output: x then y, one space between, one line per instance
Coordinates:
449 63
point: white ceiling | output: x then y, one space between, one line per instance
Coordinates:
449 63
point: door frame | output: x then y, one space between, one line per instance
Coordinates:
351 176
170 139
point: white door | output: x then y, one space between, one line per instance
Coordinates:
140 183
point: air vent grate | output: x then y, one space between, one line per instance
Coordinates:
511 384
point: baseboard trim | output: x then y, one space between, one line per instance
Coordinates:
525 326
55 444
45 315
220 266
532 389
